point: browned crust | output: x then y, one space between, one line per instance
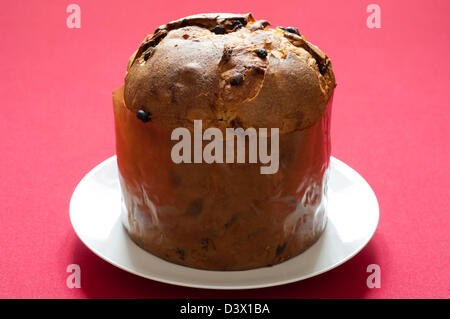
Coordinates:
185 71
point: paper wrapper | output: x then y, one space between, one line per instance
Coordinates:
221 216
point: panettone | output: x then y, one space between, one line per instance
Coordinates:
229 71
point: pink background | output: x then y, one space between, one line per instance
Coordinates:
390 123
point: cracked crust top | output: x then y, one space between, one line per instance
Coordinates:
228 70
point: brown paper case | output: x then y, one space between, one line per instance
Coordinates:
221 216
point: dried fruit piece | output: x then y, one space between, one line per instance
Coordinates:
237 24
180 253
195 207
292 30
144 116
236 123
280 248
258 70
237 79
218 29
147 54
261 53
322 68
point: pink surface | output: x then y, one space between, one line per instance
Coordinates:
390 123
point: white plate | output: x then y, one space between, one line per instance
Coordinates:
95 210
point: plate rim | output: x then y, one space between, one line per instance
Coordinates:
215 286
